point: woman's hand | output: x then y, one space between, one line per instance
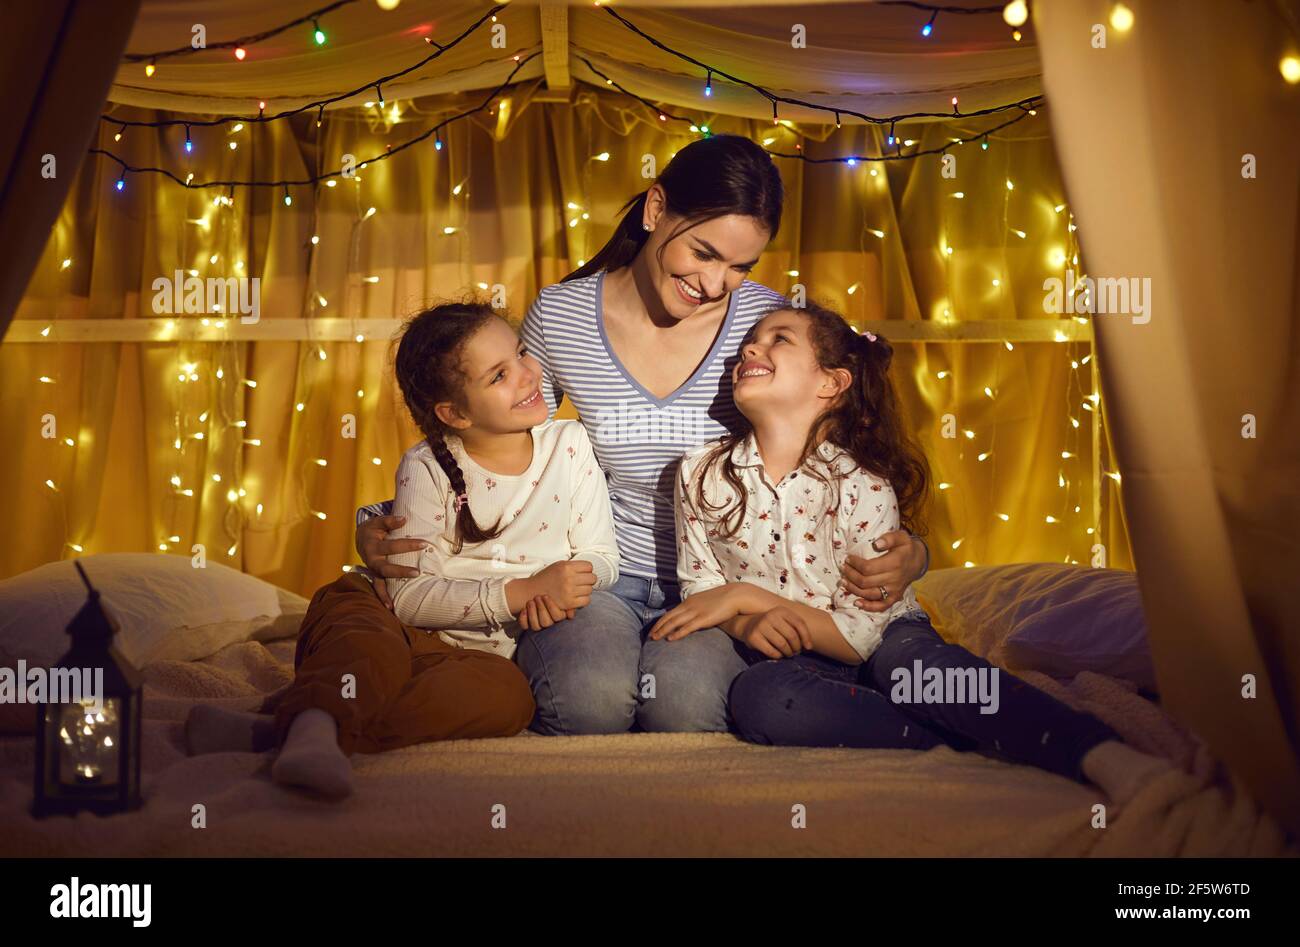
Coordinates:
901 565
374 547
779 632
701 610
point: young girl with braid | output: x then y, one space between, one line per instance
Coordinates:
512 513
489 455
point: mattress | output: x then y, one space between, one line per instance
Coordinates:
632 794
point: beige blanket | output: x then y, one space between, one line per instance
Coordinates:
634 794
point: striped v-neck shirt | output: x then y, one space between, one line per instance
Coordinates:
638 439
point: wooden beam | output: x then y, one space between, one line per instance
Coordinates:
555 42
191 329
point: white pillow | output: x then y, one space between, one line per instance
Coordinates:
166 609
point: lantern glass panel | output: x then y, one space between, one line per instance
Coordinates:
89 739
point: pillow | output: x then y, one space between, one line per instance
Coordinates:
166 609
1049 617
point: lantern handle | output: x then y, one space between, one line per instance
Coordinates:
84 578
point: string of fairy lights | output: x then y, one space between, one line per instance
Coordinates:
776 100
316 299
1080 398
239 46
1015 13
64 264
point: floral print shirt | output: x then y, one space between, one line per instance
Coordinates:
557 509
795 535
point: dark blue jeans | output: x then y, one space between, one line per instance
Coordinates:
915 692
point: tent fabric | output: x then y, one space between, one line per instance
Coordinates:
518 197
56 62
124 404
861 56
1213 513
503 184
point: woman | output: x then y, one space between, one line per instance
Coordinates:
643 339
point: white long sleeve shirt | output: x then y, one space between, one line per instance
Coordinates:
557 509
790 540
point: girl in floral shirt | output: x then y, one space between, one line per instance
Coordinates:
765 518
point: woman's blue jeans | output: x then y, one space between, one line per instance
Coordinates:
596 673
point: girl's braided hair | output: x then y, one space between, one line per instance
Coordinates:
429 370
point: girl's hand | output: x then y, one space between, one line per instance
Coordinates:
701 610
568 583
777 633
902 563
374 548
542 612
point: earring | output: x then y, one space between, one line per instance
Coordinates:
646 227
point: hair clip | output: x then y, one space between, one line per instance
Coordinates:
461 500
871 336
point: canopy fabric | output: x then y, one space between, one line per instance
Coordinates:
857 56
56 61
514 202
1214 512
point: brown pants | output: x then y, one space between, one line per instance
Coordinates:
407 686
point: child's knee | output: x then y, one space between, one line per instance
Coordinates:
756 702
518 706
509 697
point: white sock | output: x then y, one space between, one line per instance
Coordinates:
210 729
1121 771
311 758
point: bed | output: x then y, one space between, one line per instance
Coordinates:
637 793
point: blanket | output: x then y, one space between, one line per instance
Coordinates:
632 794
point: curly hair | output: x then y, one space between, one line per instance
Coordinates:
865 421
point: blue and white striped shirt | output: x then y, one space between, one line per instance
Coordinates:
638 439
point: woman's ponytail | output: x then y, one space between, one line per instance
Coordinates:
629 237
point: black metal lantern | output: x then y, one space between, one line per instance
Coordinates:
88 749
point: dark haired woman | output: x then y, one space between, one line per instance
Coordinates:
642 340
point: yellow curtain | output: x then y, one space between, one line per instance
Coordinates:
516 198
1204 395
